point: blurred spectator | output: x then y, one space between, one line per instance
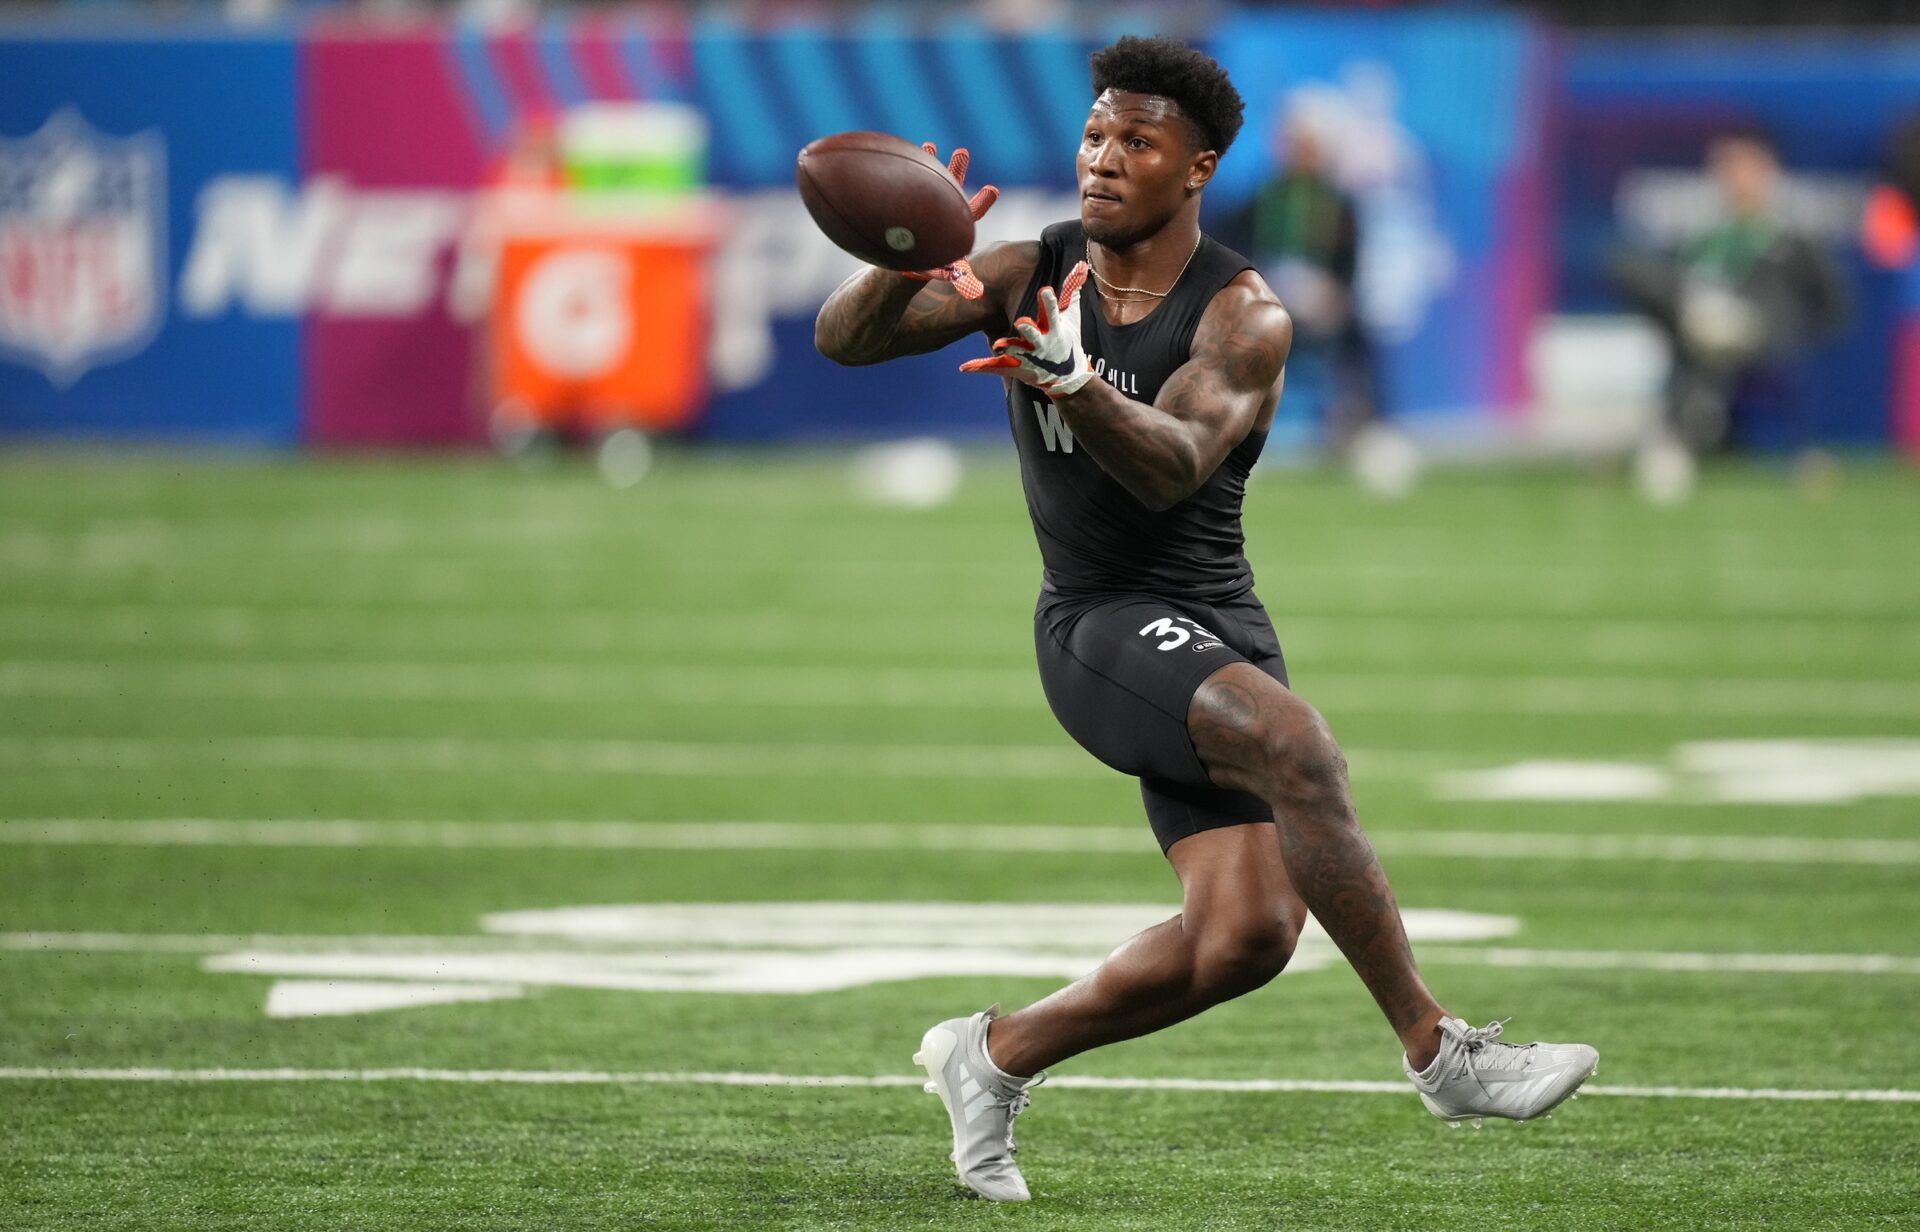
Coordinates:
1741 300
1302 231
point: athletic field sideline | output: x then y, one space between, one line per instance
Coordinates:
396 844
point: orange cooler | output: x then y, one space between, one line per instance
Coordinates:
601 314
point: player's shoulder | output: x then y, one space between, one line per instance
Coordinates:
1245 304
1246 330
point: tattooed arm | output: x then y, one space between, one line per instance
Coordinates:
1164 452
878 314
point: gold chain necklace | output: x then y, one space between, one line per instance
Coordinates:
1100 280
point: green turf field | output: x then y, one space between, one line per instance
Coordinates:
421 694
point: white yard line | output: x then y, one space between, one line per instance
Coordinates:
724 1079
707 685
395 755
1661 960
1116 839
1007 688
1678 962
218 943
588 755
629 634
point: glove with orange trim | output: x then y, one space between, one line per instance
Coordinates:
959 273
1047 353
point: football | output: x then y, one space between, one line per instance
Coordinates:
885 200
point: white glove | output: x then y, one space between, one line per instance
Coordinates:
1046 355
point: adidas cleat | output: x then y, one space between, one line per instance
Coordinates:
981 1103
1477 1075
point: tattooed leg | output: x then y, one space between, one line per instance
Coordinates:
1256 735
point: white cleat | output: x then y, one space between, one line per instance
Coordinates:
1476 1075
981 1103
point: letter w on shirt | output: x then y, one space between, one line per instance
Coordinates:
1058 436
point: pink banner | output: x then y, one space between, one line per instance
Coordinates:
393 148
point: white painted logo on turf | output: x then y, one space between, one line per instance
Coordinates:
789 948
1719 771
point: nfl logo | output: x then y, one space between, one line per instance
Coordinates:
82 241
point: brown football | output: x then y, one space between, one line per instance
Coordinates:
885 200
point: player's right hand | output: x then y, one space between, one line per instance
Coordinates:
959 273
1046 354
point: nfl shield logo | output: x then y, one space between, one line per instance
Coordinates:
82 242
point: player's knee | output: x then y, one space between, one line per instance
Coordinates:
1240 954
1305 763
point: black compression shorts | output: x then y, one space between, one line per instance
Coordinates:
1120 671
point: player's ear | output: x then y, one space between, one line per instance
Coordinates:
1201 170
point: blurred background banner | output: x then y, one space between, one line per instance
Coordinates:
112 150
1435 127
271 237
1639 108
311 237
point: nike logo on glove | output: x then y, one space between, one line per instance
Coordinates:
1047 353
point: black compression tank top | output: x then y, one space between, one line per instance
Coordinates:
1096 537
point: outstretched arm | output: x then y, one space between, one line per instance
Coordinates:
879 314
1164 452
1160 453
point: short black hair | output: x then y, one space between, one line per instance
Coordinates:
1171 69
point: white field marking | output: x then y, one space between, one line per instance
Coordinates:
1558 780
328 998
134 542
707 685
371 944
628 636
479 630
774 948
394 755
465 755
1656 960
591 931
291 943
1129 840
744 971
795 972
1017 925
1803 771
1008 688
1256 1086
1829 771
1616 696
618 630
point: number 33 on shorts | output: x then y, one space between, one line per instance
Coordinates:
1168 628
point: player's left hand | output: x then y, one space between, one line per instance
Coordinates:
960 273
1047 353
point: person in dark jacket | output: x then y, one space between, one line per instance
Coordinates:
1741 300
1303 233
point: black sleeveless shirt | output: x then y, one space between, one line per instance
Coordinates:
1095 536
